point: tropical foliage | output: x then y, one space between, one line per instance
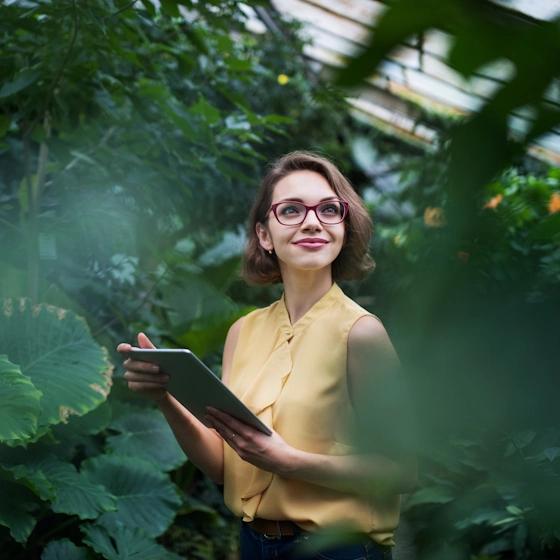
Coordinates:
132 137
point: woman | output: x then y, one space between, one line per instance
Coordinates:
303 365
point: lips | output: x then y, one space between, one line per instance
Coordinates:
311 243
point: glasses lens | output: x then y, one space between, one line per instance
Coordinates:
331 212
290 213
293 213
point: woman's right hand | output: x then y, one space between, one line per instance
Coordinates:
143 378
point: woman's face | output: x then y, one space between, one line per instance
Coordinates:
310 245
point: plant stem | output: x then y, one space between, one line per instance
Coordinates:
41 168
32 241
139 306
121 10
46 536
10 225
60 70
102 142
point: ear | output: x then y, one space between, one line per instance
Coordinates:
264 237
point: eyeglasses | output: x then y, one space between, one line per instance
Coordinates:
291 213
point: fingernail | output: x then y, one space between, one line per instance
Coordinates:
155 368
165 377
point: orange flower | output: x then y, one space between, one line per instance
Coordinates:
462 256
554 203
434 217
493 202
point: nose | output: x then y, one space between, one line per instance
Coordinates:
311 221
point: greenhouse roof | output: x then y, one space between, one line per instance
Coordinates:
413 75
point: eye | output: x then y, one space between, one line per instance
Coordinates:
289 209
330 208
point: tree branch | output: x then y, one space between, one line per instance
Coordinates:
41 167
121 10
59 73
138 307
103 141
10 225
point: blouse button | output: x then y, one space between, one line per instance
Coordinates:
287 332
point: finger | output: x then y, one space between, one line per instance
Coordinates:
144 341
137 365
223 429
145 387
236 425
231 433
124 348
160 379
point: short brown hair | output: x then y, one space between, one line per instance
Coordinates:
353 262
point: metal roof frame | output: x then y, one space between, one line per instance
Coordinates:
413 75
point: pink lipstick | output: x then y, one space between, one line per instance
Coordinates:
311 243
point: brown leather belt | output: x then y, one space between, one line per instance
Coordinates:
273 528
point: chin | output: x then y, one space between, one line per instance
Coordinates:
313 265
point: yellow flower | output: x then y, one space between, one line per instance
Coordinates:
554 203
434 217
493 202
283 79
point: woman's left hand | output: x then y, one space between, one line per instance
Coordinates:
269 453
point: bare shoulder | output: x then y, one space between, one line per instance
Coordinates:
367 334
369 343
367 329
229 348
233 332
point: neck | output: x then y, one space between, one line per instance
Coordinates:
303 289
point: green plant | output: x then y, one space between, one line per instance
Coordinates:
489 494
72 463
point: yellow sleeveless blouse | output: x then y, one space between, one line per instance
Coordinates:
293 377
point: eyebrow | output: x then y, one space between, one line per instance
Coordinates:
301 200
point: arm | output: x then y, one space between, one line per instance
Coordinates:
202 445
368 344
386 466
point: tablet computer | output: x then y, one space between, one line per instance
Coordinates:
195 386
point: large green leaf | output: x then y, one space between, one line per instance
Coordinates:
57 481
55 350
75 493
208 335
5 122
124 543
16 503
547 228
13 470
146 498
25 78
20 406
64 549
430 495
14 285
144 433
204 303
89 424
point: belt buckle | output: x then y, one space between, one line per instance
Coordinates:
272 537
